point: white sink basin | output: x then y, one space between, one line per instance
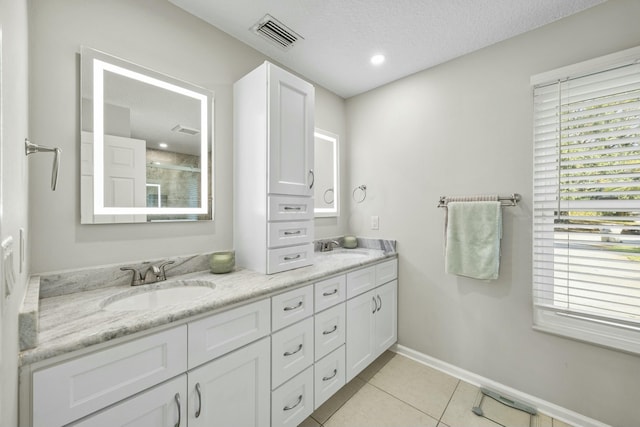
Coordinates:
346 253
141 299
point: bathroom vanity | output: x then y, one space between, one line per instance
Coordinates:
252 350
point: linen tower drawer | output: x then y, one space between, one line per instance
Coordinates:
288 258
290 208
289 233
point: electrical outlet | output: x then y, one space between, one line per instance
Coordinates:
375 222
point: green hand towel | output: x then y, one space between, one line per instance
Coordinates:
474 230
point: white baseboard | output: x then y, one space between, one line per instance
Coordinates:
548 408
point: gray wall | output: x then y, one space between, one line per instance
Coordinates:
465 127
13 194
158 35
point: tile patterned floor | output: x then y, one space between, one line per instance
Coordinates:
395 391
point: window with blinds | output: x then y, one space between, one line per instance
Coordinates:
586 225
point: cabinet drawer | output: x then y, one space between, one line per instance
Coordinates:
329 376
293 402
291 306
291 351
360 281
76 388
284 259
221 333
330 330
157 407
289 233
288 208
330 292
386 271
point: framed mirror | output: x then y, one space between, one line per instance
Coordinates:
146 144
326 168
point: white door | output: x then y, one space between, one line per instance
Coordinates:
386 317
233 390
162 406
125 178
291 127
360 324
125 175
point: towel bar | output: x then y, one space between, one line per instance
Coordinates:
511 200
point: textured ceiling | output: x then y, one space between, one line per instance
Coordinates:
341 35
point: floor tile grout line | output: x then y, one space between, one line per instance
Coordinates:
449 401
406 403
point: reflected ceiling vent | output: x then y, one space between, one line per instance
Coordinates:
276 32
186 130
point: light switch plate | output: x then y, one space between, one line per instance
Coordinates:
375 222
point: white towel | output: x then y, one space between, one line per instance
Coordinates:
474 230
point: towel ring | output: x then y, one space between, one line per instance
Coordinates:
363 189
327 193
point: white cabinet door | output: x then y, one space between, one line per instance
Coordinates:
386 317
233 390
360 326
78 387
161 406
291 107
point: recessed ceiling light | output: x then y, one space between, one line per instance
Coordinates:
377 59
163 145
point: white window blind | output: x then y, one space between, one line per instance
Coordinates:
586 225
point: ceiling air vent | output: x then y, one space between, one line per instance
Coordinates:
275 32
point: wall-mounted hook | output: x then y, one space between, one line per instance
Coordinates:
30 148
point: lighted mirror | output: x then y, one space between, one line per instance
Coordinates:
327 194
146 144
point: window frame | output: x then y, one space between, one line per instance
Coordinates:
625 337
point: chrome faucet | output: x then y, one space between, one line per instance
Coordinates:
327 245
154 273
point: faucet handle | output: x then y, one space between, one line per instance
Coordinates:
136 277
163 274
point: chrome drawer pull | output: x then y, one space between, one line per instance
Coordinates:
374 303
380 300
177 398
333 292
289 308
288 408
292 233
335 372
335 328
291 353
292 208
199 400
290 258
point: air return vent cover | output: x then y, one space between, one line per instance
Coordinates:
275 32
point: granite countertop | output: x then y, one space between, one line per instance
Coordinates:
72 321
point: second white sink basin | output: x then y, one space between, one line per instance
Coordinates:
346 253
156 298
